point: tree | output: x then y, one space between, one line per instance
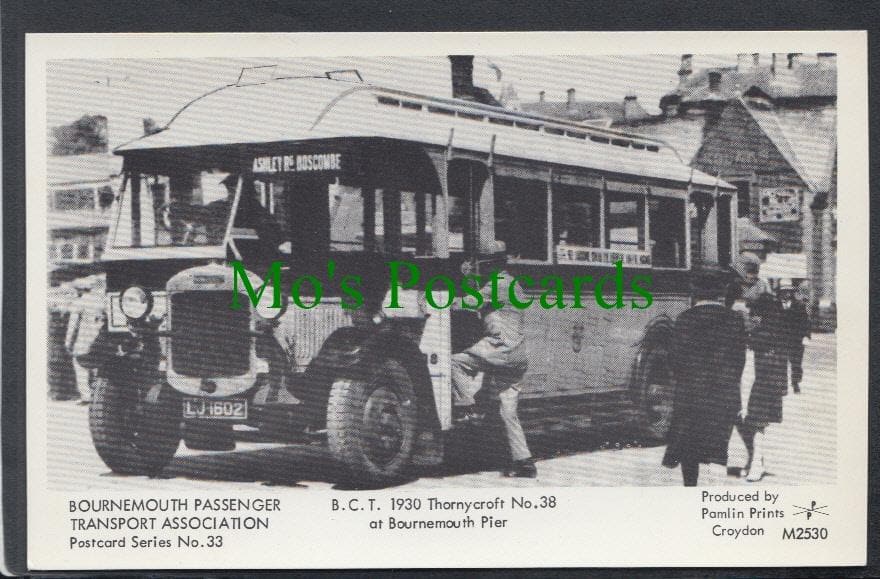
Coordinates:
88 134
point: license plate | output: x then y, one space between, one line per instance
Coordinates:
224 409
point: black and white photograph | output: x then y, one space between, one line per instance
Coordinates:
712 175
359 280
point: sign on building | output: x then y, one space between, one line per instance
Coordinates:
779 204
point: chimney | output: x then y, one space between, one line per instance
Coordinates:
541 96
462 76
756 60
827 60
631 107
714 81
794 60
570 100
686 67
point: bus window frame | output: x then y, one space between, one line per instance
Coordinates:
654 193
134 183
548 225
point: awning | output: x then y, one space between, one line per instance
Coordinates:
784 265
748 232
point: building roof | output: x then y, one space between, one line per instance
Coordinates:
812 135
613 111
807 138
88 168
808 79
287 110
684 133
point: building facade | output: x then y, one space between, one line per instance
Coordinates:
768 126
81 190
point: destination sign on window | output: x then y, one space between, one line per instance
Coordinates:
298 163
573 254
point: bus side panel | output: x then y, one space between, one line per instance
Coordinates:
589 350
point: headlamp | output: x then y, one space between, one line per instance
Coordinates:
136 303
264 307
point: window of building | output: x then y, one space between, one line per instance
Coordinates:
624 221
67 251
521 217
575 216
74 199
667 225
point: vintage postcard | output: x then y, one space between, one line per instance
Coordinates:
446 300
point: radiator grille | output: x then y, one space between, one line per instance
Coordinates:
208 339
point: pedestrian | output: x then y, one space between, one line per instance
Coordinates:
62 380
753 285
84 332
796 327
706 358
501 356
770 384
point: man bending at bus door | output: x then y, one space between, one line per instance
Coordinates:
501 356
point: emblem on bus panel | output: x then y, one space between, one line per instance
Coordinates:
298 163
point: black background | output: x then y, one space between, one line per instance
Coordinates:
18 17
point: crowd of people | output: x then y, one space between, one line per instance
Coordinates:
76 321
707 357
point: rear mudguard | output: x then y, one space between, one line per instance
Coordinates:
655 340
354 353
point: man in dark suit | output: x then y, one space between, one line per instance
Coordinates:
706 357
795 327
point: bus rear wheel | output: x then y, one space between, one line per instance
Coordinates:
372 422
656 396
132 435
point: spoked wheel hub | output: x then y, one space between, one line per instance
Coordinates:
383 426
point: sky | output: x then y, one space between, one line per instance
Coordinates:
127 90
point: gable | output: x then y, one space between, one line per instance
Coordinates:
737 143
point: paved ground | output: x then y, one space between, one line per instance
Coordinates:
802 450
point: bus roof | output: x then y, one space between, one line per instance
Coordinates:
309 108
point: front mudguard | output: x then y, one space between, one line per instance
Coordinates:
355 353
132 360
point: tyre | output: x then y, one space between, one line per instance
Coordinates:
655 386
372 423
208 435
131 434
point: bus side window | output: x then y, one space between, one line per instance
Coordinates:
416 222
575 216
346 207
666 218
521 217
624 221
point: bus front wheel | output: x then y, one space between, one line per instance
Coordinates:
371 423
132 435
